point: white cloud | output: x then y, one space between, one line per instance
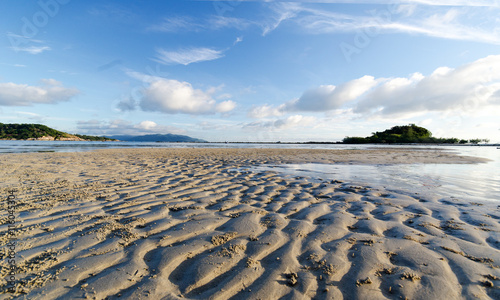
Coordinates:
330 97
468 88
119 127
265 111
172 96
225 106
146 125
320 99
187 56
50 92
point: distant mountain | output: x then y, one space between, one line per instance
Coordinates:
173 138
39 132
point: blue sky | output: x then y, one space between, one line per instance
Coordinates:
252 70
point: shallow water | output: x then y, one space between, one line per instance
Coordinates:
473 182
74 146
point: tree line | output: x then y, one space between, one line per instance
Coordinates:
34 131
407 134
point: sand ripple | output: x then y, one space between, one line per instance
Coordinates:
166 224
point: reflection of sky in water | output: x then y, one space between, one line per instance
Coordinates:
466 181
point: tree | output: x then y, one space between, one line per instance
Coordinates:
406 134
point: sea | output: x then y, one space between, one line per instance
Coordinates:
469 182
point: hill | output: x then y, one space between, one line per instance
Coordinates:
405 135
172 138
42 133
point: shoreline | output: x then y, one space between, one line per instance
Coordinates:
170 223
300 155
261 143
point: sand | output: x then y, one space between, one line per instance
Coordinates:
189 223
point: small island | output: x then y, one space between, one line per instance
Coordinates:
39 132
408 134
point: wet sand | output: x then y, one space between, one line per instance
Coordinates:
185 223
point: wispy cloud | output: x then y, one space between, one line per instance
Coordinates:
116 12
449 19
32 49
266 110
238 40
124 127
26 44
187 56
14 65
221 22
282 12
176 24
31 116
487 3
280 124
443 21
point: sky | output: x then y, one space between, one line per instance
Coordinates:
261 71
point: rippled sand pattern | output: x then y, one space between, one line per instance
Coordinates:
166 224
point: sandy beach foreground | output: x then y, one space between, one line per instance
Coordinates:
186 223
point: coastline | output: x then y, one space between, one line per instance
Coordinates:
166 223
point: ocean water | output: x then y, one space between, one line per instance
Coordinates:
74 146
474 182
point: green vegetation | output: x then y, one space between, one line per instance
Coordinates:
405 135
28 131
36 131
94 138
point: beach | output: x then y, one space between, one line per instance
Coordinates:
193 223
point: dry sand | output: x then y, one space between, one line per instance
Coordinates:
185 223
